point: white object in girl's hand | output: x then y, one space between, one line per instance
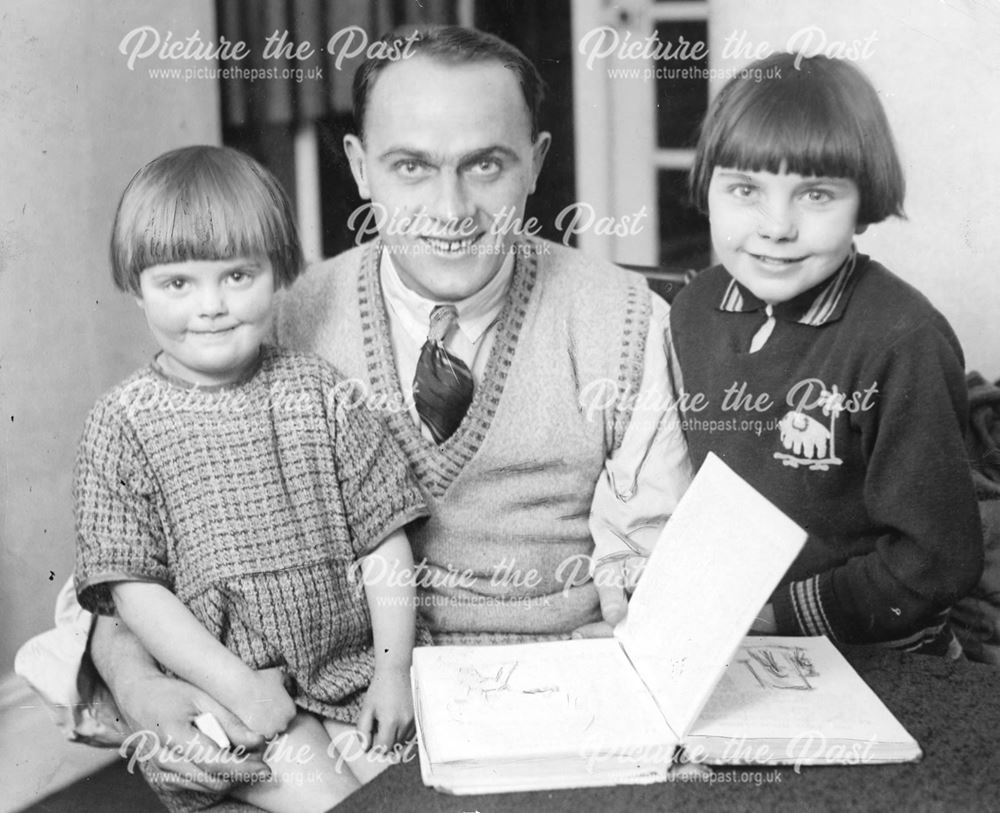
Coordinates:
208 724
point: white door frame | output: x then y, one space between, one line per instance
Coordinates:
615 114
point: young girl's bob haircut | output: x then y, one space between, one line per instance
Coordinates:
812 116
203 203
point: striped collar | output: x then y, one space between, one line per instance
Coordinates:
822 303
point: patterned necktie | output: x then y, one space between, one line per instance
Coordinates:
442 387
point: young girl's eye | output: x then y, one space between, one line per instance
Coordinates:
175 284
239 276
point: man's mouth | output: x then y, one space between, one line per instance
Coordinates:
456 246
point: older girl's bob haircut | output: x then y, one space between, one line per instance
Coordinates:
812 116
203 203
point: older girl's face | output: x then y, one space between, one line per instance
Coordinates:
781 234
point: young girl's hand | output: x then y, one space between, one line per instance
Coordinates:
387 712
265 706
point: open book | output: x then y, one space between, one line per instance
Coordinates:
678 682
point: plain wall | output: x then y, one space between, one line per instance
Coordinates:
76 124
936 65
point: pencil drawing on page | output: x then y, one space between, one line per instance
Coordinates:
504 692
780 667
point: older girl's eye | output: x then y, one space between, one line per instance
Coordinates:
742 190
819 195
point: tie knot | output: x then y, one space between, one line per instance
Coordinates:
443 318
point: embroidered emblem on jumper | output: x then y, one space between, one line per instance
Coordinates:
808 441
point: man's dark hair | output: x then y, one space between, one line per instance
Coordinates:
449 44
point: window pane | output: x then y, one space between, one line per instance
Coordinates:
684 236
681 85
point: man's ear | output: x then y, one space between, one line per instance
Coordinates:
538 152
355 151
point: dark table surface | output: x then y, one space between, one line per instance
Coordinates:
951 708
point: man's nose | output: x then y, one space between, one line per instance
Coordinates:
453 203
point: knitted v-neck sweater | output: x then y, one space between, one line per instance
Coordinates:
505 550
852 425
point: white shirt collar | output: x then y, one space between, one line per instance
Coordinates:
475 313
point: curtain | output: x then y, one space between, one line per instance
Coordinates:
268 100
284 90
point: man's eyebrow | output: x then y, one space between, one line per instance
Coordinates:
407 152
412 153
488 152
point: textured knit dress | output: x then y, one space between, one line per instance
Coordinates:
251 502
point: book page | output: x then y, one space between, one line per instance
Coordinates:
714 566
541 700
804 697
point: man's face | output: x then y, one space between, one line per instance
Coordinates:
447 159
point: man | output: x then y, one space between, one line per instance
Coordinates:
502 365
448 149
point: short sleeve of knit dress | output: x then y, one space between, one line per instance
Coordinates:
119 534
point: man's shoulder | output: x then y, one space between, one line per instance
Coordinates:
591 288
571 266
326 274
325 290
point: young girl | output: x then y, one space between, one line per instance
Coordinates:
227 495
830 384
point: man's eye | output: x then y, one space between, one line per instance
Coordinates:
411 169
485 167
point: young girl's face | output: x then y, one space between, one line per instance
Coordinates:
781 234
209 317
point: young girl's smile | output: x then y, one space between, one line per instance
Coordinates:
781 234
209 317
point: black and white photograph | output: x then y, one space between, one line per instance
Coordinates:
499 405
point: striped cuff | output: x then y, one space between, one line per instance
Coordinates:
799 609
937 638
